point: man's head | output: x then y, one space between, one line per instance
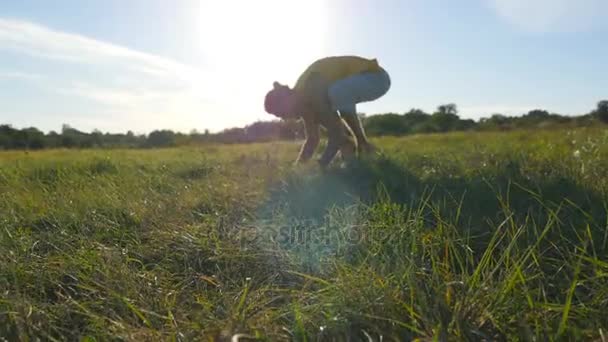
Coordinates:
280 101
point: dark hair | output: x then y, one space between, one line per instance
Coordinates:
270 101
273 96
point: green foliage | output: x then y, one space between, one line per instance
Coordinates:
33 139
460 236
385 124
416 121
602 111
445 118
164 138
30 138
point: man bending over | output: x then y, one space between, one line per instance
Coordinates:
327 94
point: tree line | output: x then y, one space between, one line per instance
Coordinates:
415 121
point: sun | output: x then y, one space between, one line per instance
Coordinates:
263 40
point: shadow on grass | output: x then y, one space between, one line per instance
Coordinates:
476 203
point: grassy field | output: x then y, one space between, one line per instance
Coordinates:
466 236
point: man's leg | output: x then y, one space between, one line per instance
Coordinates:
345 94
338 138
353 121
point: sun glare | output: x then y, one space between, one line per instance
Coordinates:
255 42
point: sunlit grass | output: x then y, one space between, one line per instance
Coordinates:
465 236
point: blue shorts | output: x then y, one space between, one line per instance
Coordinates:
346 93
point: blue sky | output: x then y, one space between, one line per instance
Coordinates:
138 65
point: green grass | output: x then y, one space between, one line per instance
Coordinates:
465 236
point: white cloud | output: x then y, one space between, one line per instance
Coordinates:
18 75
41 41
543 16
117 82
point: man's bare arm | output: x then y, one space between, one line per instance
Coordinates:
312 139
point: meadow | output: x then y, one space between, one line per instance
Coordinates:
460 236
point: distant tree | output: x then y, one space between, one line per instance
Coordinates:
131 140
418 121
385 124
540 118
465 125
181 139
71 137
65 128
33 138
5 128
601 112
449 108
532 119
68 141
538 114
496 122
263 131
291 130
97 138
7 136
232 135
415 117
535 116
163 138
445 118
415 121
53 139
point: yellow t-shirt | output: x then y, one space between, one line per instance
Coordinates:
336 68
